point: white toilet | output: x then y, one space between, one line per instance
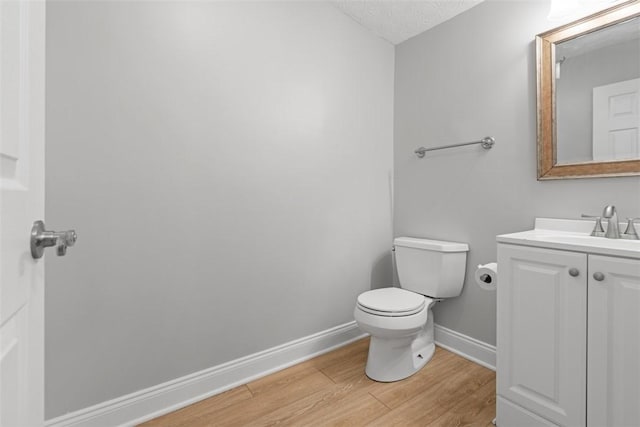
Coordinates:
400 320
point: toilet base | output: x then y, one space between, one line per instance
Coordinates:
394 359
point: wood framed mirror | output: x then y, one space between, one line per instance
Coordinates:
588 74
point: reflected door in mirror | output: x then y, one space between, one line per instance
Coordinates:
616 121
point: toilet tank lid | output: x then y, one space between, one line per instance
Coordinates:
430 245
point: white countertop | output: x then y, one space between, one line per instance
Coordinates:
572 235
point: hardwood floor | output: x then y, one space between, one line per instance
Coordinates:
332 390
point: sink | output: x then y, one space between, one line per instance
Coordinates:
580 239
574 238
573 235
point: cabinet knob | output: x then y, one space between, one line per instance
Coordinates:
598 276
574 272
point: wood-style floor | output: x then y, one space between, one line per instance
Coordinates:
332 390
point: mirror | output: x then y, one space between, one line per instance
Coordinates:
589 96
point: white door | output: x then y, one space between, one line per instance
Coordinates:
616 121
613 394
541 362
22 35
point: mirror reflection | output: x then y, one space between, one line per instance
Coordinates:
597 89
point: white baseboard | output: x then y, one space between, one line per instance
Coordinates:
155 401
467 347
152 402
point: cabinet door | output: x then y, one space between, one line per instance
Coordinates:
613 395
541 360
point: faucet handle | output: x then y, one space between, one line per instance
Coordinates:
630 232
598 230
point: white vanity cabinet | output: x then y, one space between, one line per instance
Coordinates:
568 332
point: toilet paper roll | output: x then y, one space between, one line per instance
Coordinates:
487 276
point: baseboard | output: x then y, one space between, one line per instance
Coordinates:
467 347
152 402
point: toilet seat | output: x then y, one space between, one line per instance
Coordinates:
392 302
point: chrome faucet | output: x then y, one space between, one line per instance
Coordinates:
609 213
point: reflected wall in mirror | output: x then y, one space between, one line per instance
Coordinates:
589 96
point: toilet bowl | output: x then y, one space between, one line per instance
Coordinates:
401 336
399 320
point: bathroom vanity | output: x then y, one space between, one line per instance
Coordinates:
568 327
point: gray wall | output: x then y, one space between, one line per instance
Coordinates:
227 168
574 94
469 77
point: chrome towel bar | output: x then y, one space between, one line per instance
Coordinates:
486 142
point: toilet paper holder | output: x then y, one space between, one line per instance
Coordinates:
486 276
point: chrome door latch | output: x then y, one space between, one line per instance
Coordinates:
41 238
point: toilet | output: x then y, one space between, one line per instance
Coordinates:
400 320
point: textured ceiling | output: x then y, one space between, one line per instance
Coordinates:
398 20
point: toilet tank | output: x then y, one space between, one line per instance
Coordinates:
433 268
